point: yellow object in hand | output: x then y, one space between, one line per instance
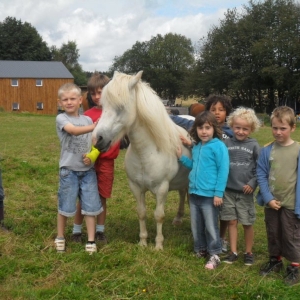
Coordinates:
93 155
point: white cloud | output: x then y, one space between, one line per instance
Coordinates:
103 30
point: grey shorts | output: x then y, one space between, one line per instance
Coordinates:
238 206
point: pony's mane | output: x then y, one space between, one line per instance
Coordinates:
150 111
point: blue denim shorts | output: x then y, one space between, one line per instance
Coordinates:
82 184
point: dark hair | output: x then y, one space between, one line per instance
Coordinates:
205 117
97 80
214 99
174 112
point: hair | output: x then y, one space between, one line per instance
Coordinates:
174 112
97 80
68 87
212 100
205 117
284 113
246 114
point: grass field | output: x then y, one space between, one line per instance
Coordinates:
30 268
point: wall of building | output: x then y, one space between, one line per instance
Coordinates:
27 95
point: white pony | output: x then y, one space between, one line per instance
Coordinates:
131 107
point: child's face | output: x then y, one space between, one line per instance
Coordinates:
70 102
281 131
241 129
220 112
96 96
205 132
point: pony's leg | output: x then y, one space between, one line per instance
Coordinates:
180 213
159 215
141 211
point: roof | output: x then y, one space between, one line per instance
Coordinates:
33 69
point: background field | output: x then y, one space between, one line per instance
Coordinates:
30 268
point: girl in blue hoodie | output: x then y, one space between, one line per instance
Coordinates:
208 177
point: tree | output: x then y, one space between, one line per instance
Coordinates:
21 41
165 60
68 54
254 56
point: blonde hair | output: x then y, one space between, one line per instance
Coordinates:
284 113
68 87
247 114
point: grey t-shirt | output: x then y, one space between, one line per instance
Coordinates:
243 157
73 147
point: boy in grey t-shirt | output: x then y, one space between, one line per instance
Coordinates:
77 175
238 206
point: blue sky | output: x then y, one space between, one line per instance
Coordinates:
105 29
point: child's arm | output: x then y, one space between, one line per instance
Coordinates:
78 130
185 141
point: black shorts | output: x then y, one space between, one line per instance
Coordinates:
283 233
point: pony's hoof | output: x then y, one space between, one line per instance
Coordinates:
159 247
177 221
143 243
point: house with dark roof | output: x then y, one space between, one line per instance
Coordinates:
31 86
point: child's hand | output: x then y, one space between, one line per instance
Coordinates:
218 201
185 141
86 160
178 152
275 204
247 189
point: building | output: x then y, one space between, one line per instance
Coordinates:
31 86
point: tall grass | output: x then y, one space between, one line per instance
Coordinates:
30 268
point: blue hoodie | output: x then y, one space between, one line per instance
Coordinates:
209 168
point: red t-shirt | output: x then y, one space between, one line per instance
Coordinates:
95 113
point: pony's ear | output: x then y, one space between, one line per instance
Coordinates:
135 79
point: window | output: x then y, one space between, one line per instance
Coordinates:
40 105
15 106
14 82
39 82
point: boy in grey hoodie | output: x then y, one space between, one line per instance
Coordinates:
238 206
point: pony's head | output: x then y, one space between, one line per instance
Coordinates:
130 106
119 110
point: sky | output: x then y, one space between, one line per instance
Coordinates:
103 30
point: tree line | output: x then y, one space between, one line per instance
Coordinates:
253 56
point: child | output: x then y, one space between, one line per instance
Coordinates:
104 165
238 203
278 176
209 171
220 106
77 176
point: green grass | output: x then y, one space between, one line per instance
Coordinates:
30 268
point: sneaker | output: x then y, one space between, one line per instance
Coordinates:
91 248
202 254
248 259
292 276
224 246
76 237
213 262
231 258
60 245
273 265
100 237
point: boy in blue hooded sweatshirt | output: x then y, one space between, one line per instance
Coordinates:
278 176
